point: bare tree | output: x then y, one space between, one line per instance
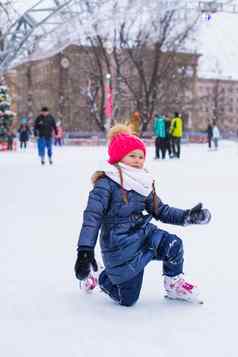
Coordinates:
151 67
93 88
137 43
147 72
217 101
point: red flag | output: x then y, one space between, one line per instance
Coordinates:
108 105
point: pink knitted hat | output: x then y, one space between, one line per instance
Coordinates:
122 143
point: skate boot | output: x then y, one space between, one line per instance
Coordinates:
89 284
177 288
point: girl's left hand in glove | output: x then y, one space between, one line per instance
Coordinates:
197 215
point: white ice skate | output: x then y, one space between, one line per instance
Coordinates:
177 288
91 282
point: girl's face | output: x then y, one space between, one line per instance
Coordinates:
135 158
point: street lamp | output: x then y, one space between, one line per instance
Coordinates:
108 102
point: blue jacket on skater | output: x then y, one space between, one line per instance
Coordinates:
123 191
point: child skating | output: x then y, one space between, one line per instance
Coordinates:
121 205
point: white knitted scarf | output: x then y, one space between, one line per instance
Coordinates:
139 180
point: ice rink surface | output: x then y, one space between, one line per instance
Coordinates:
43 313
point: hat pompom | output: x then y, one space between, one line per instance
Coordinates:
116 130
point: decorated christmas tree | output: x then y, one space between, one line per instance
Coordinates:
6 115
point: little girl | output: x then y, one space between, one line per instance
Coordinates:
122 204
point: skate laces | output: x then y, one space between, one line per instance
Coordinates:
187 286
179 284
89 283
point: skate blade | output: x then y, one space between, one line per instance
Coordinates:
194 301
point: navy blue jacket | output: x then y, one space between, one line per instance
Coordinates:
24 133
127 240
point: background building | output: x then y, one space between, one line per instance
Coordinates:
217 99
61 83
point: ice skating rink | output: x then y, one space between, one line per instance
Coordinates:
43 313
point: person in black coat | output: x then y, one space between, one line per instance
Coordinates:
44 127
209 134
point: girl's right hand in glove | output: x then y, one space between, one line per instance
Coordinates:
85 261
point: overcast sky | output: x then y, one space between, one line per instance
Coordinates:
218 43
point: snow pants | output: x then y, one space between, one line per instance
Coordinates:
43 144
23 144
209 140
176 146
215 140
160 146
170 252
58 141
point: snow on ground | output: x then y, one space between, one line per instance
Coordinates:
42 310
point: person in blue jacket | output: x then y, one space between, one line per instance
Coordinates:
160 136
24 135
123 190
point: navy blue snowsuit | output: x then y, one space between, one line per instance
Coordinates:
128 241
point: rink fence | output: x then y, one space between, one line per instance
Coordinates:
4 146
100 140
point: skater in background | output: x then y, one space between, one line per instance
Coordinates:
59 137
160 136
134 124
24 135
122 190
24 119
44 127
215 135
10 139
168 137
176 132
209 134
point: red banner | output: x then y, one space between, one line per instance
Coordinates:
108 104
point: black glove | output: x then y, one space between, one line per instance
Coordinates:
197 215
84 262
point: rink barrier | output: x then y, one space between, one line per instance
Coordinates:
198 139
4 146
150 141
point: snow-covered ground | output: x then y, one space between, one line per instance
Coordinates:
42 310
